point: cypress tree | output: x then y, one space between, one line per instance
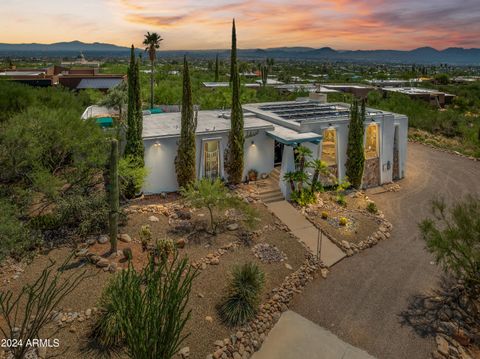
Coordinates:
236 138
185 160
355 152
139 150
131 110
233 54
134 145
216 69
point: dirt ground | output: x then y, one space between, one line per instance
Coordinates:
208 287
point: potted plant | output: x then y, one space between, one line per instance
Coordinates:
252 175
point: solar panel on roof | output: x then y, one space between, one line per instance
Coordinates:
305 110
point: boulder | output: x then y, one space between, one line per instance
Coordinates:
153 219
184 352
102 263
183 214
124 237
102 239
232 227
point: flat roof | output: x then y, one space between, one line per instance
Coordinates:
22 73
414 90
226 84
99 83
165 125
288 136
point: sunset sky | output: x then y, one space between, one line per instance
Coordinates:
201 24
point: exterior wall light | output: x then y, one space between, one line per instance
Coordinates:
253 143
156 144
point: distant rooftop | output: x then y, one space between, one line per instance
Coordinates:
227 84
414 90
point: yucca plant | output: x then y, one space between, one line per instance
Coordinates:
243 294
146 311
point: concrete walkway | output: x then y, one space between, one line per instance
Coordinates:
295 337
306 232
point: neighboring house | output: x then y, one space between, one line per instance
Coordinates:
72 78
272 131
101 82
432 96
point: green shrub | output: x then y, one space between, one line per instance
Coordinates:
132 176
214 196
372 207
145 311
342 221
165 248
303 198
324 214
243 294
106 332
453 237
15 237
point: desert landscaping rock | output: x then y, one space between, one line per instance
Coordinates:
153 219
268 254
103 239
232 227
102 263
124 237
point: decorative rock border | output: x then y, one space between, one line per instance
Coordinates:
250 337
214 258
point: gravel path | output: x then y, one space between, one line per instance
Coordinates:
363 297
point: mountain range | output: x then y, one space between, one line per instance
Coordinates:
423 55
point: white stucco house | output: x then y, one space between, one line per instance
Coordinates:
272 130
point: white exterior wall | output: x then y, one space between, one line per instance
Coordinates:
386 138
259 155
160 160
402 144
160 164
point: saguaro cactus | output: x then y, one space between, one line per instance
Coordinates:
113 193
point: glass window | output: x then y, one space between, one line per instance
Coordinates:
371 142
212 159
329 147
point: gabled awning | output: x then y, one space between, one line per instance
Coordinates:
291 137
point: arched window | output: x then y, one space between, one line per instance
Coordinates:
371 141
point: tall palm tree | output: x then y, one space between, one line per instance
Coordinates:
152 43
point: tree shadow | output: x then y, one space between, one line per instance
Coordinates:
448 310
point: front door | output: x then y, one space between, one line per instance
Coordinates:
212 159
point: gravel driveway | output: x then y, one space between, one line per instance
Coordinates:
363 297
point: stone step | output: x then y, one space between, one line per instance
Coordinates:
273 196
273 199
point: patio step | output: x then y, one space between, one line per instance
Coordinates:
272 196
275 174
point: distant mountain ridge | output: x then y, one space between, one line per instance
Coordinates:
422 55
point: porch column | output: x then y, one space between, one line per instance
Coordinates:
288 165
